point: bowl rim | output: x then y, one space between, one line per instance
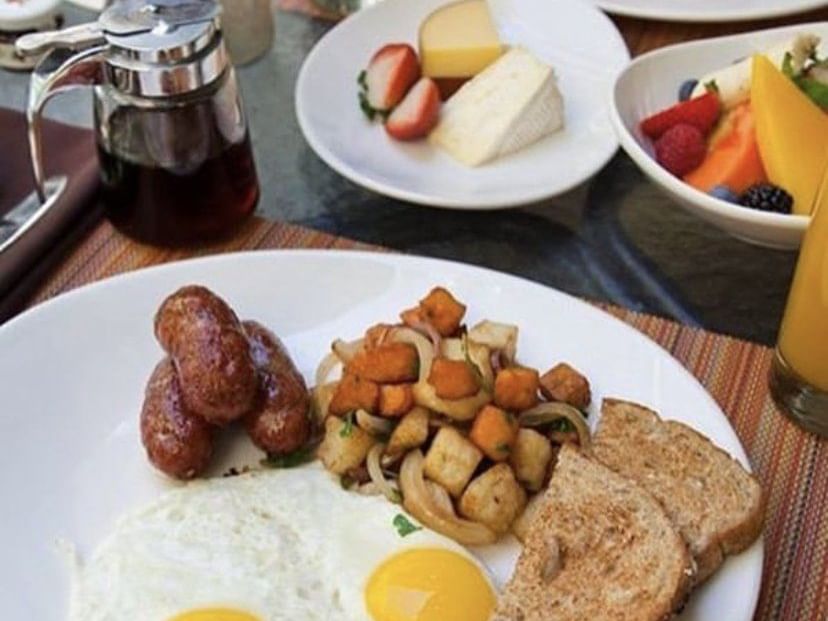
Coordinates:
692 198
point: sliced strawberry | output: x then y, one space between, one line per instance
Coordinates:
391 72
417 113
702 112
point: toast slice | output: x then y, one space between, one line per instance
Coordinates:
600 547
717 506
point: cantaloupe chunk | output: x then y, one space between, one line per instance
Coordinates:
733 159
792 132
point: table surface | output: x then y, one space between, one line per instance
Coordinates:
616 238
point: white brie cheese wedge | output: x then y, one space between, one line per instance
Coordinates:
508 106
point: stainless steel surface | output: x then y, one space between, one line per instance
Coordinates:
26 214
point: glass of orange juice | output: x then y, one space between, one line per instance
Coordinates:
799 376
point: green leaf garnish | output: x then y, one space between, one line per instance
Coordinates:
711 87
787 65
503 448
563 425
291 460
404 526
348 426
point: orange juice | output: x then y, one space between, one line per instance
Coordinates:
803 340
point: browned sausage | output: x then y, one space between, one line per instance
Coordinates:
178 442
281 424
210 352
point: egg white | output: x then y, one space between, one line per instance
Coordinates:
280 544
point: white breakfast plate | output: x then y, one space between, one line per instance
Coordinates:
650 83
73 372
707 11
578 40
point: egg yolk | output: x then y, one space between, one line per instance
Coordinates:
429 585
215 614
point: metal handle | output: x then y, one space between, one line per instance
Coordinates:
59 71
73 38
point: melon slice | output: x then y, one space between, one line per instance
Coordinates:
792 132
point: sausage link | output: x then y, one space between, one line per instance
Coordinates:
281 423
207 344
177 442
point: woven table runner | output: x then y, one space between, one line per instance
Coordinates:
792 465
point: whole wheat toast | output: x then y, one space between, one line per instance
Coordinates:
717 506
600 547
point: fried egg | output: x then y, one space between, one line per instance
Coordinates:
277 545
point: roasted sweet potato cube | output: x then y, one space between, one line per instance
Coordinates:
344 446
411 432
530 458
377 334
516 388
412 317
563 383
494 431
389 363
395 400
442 311
494 498
451 460
453 379
354 393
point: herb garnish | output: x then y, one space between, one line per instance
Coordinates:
347 426
815 90
291 460
404 526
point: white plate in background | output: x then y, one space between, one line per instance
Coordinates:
708 10
650 83
73 370
579 41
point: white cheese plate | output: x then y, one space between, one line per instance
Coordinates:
73 371
582 45
707 11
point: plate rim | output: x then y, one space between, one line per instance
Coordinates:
753 573
622 8
430 199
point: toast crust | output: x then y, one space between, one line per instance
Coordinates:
601 547
717 506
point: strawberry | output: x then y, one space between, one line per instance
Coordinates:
681 149
417 113
390 73
702 112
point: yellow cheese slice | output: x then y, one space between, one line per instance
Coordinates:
459 40
792 132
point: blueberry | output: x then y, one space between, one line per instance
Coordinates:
686 89
724 193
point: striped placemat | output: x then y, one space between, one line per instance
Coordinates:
792 465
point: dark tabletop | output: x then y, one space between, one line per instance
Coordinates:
616 238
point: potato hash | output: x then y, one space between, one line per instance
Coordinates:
444 419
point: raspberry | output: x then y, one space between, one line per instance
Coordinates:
681 149
767 197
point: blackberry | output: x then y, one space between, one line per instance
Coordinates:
767 197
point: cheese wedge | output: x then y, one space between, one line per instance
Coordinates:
459 40
510 105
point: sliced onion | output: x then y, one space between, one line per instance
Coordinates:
520 527
418 501
346 350
323 371
546 413
425 349
375 425
377 475
441 498
321 396
497 336
457 409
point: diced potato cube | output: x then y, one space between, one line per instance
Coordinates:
530 458
501 337
494 498
395 399
453 379
451 460
389 363
442 311
354 393
563 383
345 445
494 431
411 432
516 388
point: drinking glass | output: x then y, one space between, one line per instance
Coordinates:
799 375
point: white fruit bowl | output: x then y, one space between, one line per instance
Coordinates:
650 83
